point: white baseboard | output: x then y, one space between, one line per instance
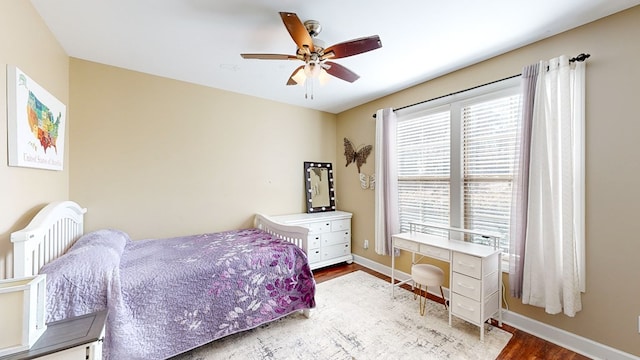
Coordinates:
566 339
544 331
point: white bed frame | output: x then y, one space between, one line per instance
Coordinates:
49 234
295 234
58 225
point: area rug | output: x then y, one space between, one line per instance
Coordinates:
356 318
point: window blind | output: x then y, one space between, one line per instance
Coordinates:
423 145
489 150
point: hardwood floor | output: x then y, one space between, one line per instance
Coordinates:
521 346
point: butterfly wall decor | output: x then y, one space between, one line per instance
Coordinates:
358 156
367 181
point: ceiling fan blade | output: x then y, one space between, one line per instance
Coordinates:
291 81
340 72
269 56
352 47
297 30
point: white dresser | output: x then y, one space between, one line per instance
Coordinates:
329 239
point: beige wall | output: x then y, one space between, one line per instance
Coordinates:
158 157
27 43
610 306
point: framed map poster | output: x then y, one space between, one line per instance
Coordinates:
36 123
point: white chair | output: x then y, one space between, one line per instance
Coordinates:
427 275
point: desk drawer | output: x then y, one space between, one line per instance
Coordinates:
467 286
467 264
406 245
434 252
465 308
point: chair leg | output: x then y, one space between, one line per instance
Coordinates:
444 299
423 300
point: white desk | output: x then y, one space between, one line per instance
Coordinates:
475 274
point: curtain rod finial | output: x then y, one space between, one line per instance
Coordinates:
580 57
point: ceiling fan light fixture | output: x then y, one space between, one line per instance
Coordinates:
299 77
312 70
323 76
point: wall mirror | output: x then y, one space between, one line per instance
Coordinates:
319 187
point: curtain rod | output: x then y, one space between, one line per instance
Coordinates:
580 57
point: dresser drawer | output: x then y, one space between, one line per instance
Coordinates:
329 252
319 227
434 252
407 245
465 308
467 264
338 237
337 225
467 286
314 241
314 255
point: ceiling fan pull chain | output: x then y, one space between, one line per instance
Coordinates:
308 88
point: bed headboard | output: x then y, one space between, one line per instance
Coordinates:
295 234
49 234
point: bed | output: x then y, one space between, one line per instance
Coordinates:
166 296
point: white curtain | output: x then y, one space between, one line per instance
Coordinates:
553 274
387 219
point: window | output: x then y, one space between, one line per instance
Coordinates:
456 160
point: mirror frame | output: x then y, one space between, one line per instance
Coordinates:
308 166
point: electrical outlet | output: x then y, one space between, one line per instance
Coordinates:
366 244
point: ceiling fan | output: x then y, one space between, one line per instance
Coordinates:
315 55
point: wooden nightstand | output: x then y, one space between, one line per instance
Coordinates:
77 338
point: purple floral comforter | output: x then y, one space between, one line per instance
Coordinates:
168 296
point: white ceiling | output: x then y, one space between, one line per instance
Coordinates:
200 41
